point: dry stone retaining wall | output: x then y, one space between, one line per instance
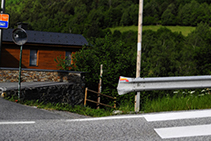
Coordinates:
35 75
72 92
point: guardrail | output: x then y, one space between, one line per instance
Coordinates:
127 84
85 99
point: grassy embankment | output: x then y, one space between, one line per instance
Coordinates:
185 30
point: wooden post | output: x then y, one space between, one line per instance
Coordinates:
100 85
85 96
138 65
115 102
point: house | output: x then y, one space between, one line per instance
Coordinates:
40 49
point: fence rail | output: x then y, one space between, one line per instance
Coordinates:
127 85
85 99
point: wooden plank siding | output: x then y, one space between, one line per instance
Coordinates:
45 55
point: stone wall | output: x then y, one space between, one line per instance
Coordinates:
35 75
71 92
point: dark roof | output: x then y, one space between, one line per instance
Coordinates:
40 37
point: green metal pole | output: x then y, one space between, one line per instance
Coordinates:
19 79
1 30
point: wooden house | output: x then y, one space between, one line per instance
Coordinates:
40 49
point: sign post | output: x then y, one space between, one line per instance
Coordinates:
1 30
19 37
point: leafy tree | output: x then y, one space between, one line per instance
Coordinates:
130 16
117 60
113 17
169 16
151 12
161 56
199 41
188 13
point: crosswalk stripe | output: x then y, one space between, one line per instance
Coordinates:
178 115
184 131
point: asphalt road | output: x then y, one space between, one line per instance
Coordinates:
19 122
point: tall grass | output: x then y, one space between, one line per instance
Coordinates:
178 102
185 30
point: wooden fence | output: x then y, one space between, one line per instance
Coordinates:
85 99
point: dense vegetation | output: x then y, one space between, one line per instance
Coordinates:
164 53
91 17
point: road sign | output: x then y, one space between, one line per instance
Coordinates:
4 21
19 36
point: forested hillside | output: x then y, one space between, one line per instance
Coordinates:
91 17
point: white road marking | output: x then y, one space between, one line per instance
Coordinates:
106 118
17 122
178 115
156 116
184 131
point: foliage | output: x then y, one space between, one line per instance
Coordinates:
117 59
63 64
164 53
90 17
199 41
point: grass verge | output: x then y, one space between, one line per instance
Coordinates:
179 101
79 109
185 30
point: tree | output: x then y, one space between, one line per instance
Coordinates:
161 57
169 15
151 13
117 60
199 42
188 13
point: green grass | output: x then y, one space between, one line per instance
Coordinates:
185 30
79 109
177 103
181 100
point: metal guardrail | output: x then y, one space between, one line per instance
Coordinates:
127 84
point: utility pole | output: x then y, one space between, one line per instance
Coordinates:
138 65
1 30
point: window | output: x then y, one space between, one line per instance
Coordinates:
68 57
33 58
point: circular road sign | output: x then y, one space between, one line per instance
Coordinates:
19 36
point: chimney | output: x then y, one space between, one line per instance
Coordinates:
22 25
